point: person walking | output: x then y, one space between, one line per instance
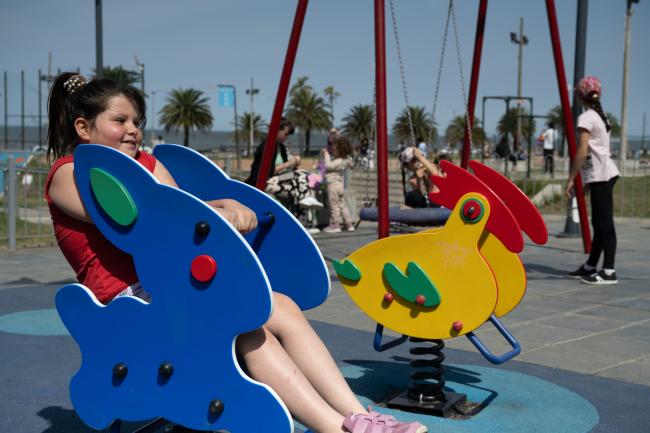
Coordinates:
549 136
599 173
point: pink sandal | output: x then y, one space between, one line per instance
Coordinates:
375 422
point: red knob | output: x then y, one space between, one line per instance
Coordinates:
420 299
203 268
458 326
388 297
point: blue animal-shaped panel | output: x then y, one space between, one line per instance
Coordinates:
278 246
174 357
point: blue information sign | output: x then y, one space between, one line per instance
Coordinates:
226 96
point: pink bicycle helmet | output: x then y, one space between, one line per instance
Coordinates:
588 85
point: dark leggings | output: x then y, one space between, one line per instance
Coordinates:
602 220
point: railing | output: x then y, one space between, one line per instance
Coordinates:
25 219
24 216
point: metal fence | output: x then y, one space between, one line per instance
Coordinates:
25 217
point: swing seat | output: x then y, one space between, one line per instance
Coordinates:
415 217
174 358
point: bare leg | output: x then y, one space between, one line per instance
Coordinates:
268 362
309 353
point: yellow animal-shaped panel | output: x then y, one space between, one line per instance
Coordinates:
508 271
427 285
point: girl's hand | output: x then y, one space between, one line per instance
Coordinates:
570 187
242 218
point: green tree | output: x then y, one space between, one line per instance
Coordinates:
186 109
307 110
121 75
555 115
359 122
455 132
332 95
244 124
423 126
508 124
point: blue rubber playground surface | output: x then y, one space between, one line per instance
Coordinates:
585 364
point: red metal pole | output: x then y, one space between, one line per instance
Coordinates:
476 67
269 147
382 131
568 120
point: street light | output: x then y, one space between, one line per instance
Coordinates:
520 40
252 91
141 68
234 91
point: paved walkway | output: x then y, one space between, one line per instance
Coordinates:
588 346
560 323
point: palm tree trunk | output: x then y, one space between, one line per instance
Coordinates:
307 138
186 136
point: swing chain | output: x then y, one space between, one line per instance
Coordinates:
402 74
439 76
468 129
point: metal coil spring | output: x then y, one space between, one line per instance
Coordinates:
427 378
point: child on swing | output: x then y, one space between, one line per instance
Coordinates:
104 112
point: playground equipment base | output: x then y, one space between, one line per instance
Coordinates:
441 408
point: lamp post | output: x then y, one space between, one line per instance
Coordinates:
98 39
234 92
520 40
626 73
141 69
252 91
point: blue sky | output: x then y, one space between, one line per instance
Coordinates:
201 43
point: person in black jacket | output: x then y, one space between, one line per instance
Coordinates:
281 161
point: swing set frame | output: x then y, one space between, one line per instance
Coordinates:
380 112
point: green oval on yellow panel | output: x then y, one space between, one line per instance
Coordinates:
113 197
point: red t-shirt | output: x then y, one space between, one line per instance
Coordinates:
100 266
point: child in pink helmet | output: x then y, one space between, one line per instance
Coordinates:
599 173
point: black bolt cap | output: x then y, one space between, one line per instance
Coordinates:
202 228
166 369
216 407
120 370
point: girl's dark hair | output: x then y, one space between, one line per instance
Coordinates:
593 101
86 101
343 147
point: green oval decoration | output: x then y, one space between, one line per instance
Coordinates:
415 283
113 197
347 270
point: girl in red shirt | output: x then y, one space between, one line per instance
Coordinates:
105 112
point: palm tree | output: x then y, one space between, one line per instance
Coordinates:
244 123
300 85
455 132
187 109
508 123
306 110
332 96
359 123
556 116
121 75
423 126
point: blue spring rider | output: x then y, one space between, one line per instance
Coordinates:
174 358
